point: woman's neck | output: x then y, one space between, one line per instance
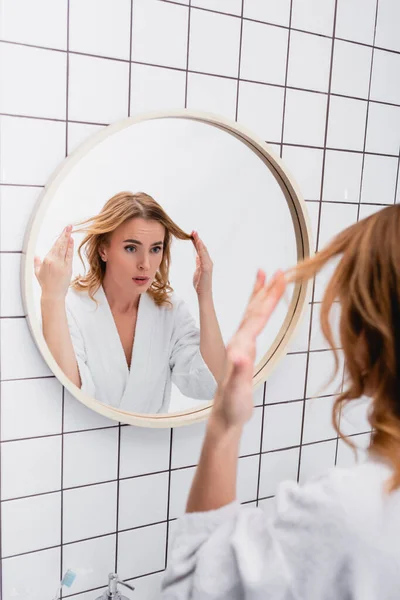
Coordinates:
119 300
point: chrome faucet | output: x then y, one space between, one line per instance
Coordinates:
112 593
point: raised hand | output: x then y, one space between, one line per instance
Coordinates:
202 278
55 272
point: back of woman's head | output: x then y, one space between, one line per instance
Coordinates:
117 210
366 283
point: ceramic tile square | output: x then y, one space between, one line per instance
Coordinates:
277 467
152 41
342 176
314 211
287 380
13 222
305 164
334 218
383 131
379 179
355 20
43 23
387 34
89 511
354 417
351 69
20 359
20 575
148 588
318 341
234 7
247 478
312 15
90 24
250 441
156 88
323 278
273 11
253 100
79 133
91 560
309 61
40 88
10 292
144 451
346 125
31 524
78 417
143 500
186 445
181 481
258 395
132 561
346 457
267 505
282 426
30 467
299 342
30 408
385 83
30 149
305 117
214 57
269 42
320 371
367 209
316 460
98 89
318 420
90 457
211 94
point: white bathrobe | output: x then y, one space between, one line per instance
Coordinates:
166 349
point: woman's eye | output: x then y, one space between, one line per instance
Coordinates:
130 248
156 249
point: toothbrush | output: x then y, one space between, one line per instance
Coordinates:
67 580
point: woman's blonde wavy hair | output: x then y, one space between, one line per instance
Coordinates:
116 211
366 282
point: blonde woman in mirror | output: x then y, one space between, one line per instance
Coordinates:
119 332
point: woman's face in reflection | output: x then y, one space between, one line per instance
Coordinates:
134 253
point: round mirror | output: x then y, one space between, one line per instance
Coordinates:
141 256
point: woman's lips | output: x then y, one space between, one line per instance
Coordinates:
141 280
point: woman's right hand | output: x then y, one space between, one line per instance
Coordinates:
55 272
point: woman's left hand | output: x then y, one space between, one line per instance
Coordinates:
202 278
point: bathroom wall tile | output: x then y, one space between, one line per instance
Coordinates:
78 417
385 84
30 149
253 98
250 441
181 480
312 15
10 286
386 31
19 355
368 209
258 395
156 88
267 41
98 89
287 380
154 43
211 94
146 588
354 417
247 478
305 164
345 455
305 116
350 26
31 524
186 445
277 467
214 57
43 23
143 451
13 222
91 23
132 561
234 7
91 560
267 505
274 11
30 467
320 371
383 131
309 61
313 209
90 457
282 426
379 179
323 277
89 511
143 500
351 69
334 218
40 88
342 176
30 408
299 342
79 133
318 420
20 575
316 460
346 125
318 341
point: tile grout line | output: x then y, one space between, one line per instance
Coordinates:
130 60
171 439
117 507
286 78
261 443
187 53
397 178
239 62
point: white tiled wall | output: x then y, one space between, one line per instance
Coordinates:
319 80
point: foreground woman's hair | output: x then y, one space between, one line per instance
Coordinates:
366 282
